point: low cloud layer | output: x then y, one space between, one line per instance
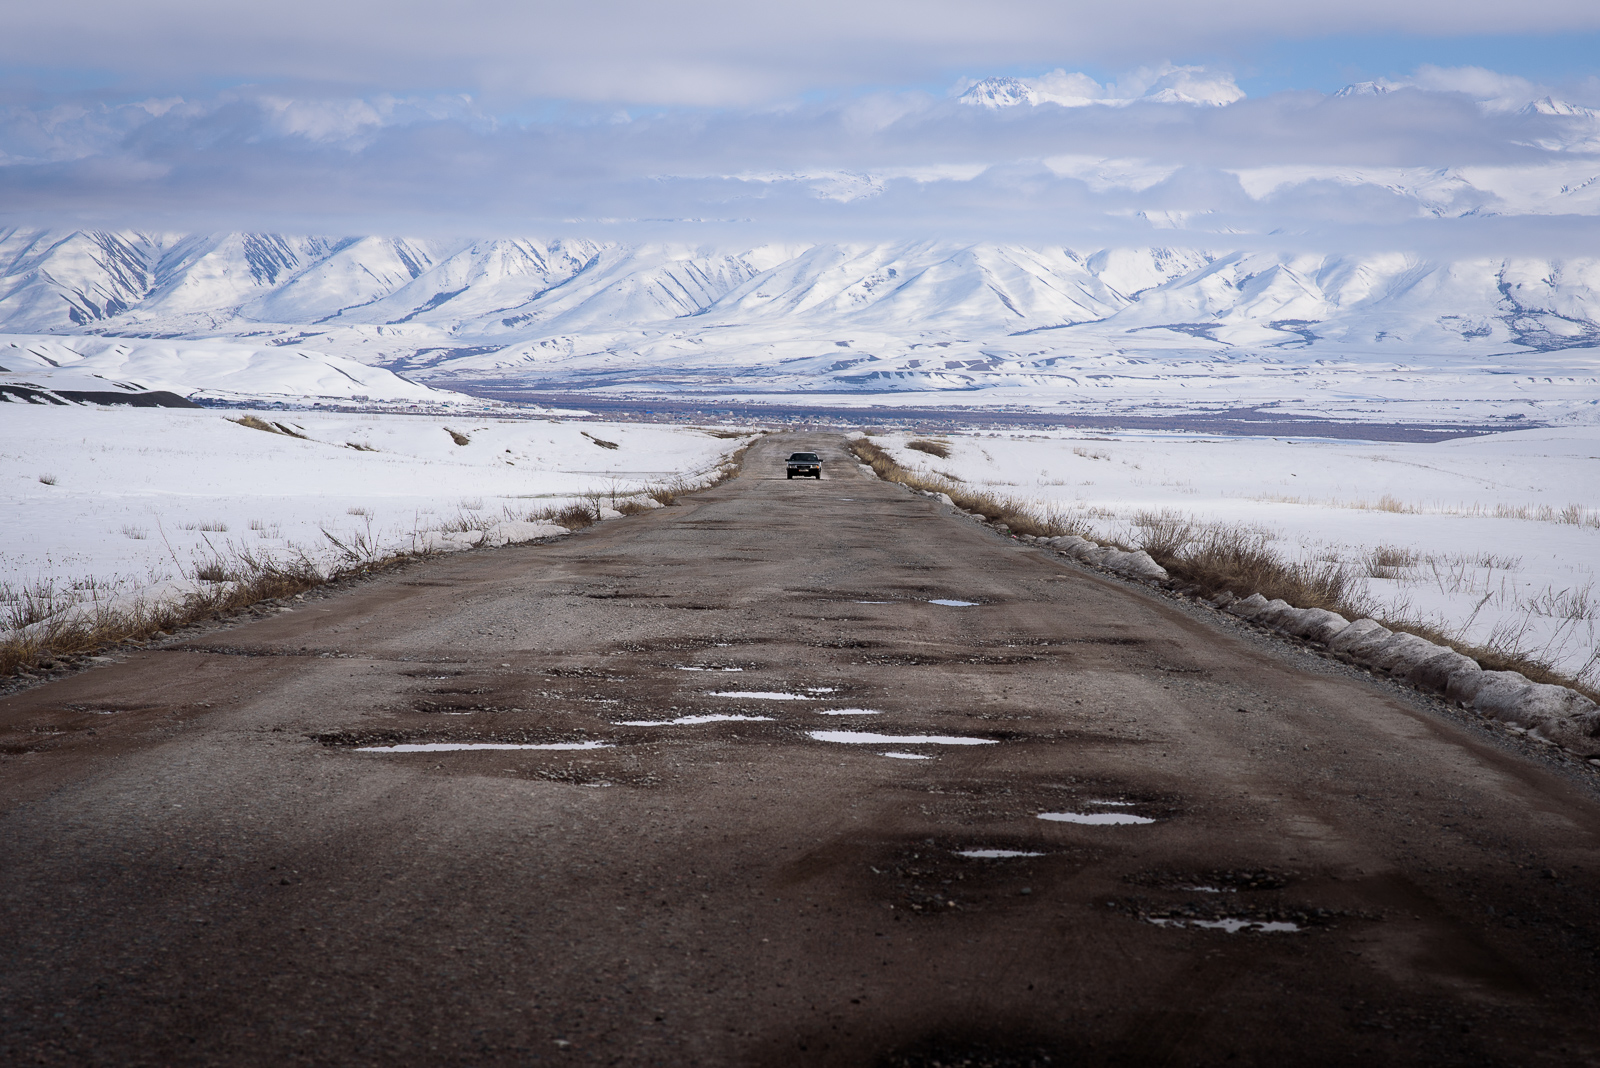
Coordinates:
1455 158
708 52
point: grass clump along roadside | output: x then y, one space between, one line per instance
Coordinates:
1206 559
49 626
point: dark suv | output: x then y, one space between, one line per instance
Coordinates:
803 464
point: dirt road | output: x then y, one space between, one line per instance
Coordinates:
204 861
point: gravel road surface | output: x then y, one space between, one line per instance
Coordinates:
776 805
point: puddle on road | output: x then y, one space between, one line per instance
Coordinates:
906 756
685 667
763 695
456 747
849 712
1231 924
690 721
948 603
866 738
1095 818
996 854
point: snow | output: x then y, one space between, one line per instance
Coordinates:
692 721
953 604
1502 531
1388 336
1096 818
763 695
995 854
865 738
138 497
461 747
852 712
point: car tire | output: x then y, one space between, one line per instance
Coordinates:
788 474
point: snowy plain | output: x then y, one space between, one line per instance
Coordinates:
1493 540
120 502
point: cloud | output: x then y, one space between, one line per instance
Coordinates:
705 53
1165 84
1431 163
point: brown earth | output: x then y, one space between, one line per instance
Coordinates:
198 866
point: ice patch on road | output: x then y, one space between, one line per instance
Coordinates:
851 712
906 756
685 667
763 695
1231 924
948 603
866 738
689 721
996 854
457 747
1095 818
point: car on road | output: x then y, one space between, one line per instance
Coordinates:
803 465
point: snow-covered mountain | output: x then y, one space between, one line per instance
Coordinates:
1042 325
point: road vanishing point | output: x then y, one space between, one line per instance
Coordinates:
744 792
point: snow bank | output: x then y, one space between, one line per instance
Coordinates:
124 502
1491 540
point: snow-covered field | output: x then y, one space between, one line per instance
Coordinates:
1495 540
128 502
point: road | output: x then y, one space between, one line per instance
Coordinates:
200 865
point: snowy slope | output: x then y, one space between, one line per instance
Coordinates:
1032 325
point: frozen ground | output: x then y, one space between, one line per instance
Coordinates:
121 502
1495 540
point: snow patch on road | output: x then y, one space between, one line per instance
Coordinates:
460 747
1095 818
866 738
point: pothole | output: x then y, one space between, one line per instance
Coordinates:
906 756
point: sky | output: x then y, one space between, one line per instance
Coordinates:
728 122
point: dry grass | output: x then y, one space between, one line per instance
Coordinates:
1390 562
45 628
48 480
1213 558
599 441
1018 517
941 449
48 628
458 437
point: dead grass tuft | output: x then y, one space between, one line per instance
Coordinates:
599 441
48 480
43 626
255 423
941 449
1018 517
458 437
